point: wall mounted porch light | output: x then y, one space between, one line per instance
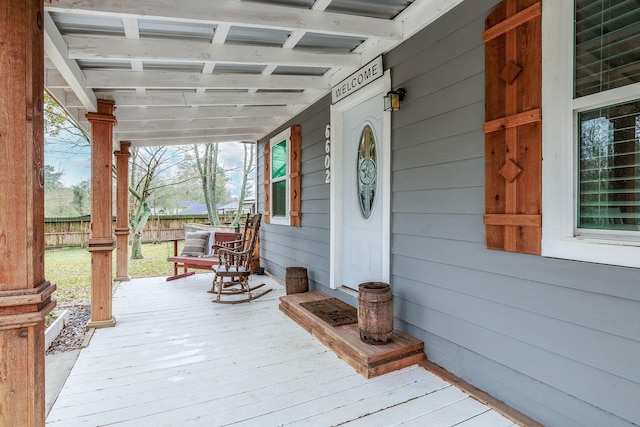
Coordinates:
392 99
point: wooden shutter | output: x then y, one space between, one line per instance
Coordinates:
267 183
513 127
295 201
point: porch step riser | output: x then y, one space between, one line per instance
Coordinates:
369 360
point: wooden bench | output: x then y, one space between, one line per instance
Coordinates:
198 263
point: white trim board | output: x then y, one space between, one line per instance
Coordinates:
559 193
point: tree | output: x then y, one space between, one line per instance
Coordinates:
52 178
148 164
57 123
81 194
64 139
58 203
212 178
247 168
188 186
62 135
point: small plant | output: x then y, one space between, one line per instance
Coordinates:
50 318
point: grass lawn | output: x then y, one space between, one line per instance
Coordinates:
70 270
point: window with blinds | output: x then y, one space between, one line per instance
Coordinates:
607 56
607 45
609 176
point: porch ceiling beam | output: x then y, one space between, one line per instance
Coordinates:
65 97
56 49
201 52
172 98
125 79
71 105
54 80
413 18
186 134
72 100
321 4
166 125
422 13
196 140
187 113
241 14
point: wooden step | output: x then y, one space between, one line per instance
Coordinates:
369 360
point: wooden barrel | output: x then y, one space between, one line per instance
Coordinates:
296 280
375 312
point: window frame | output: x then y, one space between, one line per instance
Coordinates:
284 136
560 236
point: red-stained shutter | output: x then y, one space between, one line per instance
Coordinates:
267 183
513 127
295 201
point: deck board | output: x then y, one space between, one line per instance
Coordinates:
176 359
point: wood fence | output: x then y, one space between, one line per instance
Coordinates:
67 232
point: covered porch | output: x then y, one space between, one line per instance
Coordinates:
178 359
482 244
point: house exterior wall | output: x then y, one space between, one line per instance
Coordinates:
558 340
284 246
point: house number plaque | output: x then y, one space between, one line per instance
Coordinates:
327 158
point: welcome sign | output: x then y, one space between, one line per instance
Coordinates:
357 80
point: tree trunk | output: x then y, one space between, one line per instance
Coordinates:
246 170
144 163
139 222
208 169
136 246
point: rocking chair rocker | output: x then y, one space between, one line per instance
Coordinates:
232 275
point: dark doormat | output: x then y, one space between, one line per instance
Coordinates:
333 311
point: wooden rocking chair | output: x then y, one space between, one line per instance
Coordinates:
232 275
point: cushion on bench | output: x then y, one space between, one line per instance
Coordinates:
198 252
196 243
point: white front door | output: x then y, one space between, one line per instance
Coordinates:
360 189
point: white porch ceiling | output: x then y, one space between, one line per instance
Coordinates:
213 71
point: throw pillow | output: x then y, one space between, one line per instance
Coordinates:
195 244
212 241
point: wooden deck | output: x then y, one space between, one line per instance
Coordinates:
176 359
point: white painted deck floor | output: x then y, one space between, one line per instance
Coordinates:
176 359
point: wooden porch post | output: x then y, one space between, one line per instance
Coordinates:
25 297
101 242
122 212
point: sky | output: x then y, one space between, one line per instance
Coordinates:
231 156
73 159
76 161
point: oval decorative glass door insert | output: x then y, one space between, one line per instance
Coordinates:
367 171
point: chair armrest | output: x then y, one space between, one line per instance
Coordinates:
231 252
232 244
230 257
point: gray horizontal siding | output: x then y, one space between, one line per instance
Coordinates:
307 246
600 280
467 118
466 227
532 397
565 335
467 200
447 149
444 99
439 176
557 339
